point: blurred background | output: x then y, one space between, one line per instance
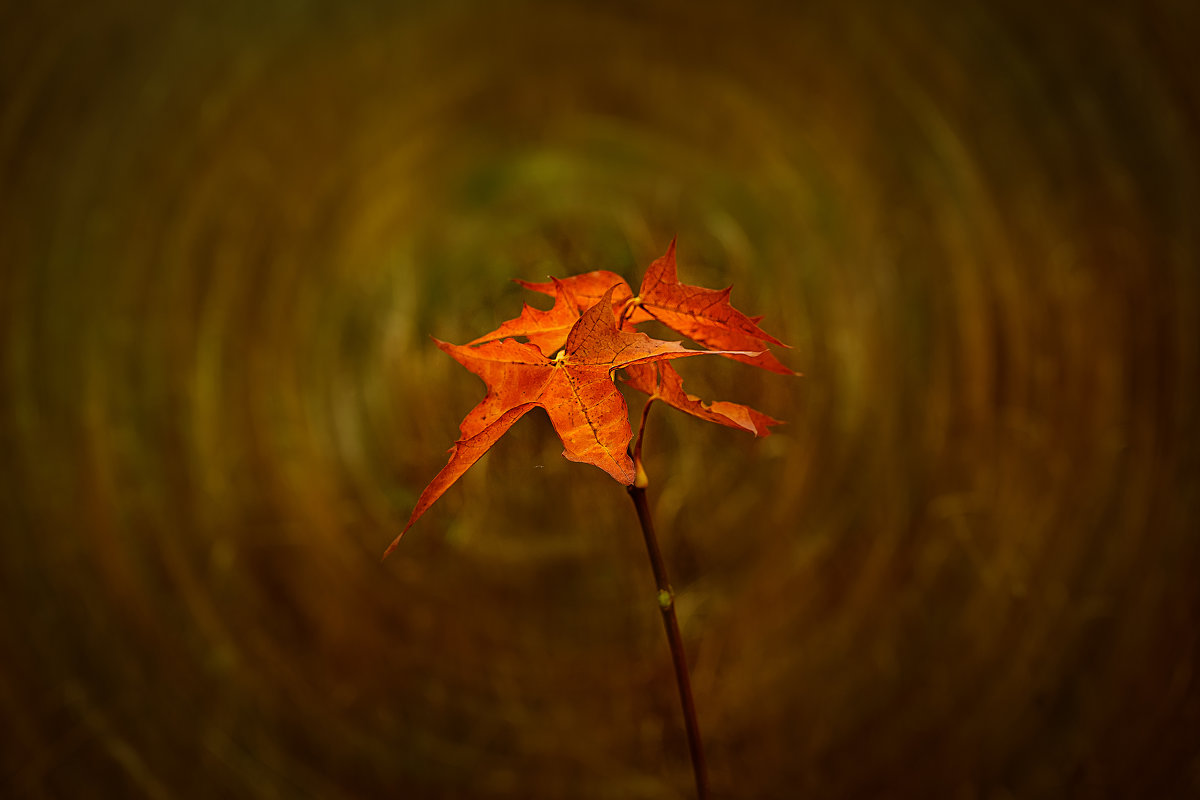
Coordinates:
966 568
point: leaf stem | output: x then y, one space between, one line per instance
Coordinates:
666 602
641 479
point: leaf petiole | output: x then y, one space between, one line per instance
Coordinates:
627 310
641 481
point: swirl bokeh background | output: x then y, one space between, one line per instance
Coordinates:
968 566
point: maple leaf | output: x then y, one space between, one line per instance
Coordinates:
585 289
662 382
703 315
547 330
575 389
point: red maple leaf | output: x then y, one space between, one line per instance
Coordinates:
703 315
575 388
662 382
546 329
585 289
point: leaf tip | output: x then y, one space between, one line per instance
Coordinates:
395 543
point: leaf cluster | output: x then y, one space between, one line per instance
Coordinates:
564 361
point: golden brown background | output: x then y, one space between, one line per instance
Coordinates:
967 568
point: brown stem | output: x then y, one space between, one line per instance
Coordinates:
666 602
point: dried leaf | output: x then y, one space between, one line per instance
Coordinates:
703 315
585 289
662 382
546 329
575 388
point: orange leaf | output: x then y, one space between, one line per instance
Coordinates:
546 329
465 452
662 382
585 289
575 388
703 315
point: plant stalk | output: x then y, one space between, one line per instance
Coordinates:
666 602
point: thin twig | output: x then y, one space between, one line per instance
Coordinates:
666 603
